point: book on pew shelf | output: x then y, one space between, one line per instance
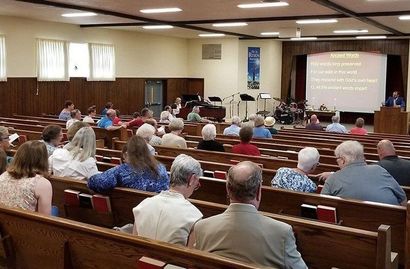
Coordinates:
86 200
101 203
71 197
220 174
319 188
308 211
208 173
326 213
171 266
149 263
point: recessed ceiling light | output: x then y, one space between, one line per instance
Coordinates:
211 35
266 4
350 31
303 38
371 37
315 21
161 10
229 24
270 33
404 17
81 14
156 27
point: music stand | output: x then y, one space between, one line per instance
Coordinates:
215 99
247 98
264 97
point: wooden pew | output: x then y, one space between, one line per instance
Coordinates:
35 241
351 213
267 162
334 245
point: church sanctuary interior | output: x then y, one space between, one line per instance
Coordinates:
274 66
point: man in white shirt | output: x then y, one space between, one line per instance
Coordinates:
335 126
234 128
169 216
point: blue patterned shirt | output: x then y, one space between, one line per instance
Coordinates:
287 178
125 175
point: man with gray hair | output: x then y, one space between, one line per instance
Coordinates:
335 126
195 117
357 180
234 128
241 232
397 167
169 216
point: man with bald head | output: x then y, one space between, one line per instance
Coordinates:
314 123
107 121
397 167
241 232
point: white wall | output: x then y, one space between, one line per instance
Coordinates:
137 54
228 76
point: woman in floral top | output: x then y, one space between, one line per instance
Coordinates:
140 171
296 179
23 185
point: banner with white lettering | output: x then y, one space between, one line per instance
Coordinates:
254 55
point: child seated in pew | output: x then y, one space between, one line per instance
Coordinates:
296 179
169 216
23 185
140 171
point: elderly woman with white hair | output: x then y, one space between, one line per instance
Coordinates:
174 139
208 139
76 159
296 179
234 128
147 131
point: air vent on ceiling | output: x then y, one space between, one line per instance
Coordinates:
211 51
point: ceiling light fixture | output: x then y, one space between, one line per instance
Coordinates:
157 27
270 33
211 35
303 38
161 10
81 14
404 17
371 37
229 24
265 4
316 21
350 31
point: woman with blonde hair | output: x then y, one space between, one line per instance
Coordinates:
140 171
23 185
76 159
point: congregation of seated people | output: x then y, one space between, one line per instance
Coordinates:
169 216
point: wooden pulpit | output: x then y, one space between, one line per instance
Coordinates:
391 120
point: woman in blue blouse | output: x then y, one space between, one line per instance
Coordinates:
140 171
296 179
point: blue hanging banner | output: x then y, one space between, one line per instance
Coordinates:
254 57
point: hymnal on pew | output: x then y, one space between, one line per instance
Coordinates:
71 197
308 211
326 213
101 203
86 200
149 263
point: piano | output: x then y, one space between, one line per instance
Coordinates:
212 112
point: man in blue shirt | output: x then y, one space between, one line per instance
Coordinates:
335 126
395 100
106 122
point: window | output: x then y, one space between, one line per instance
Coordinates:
52 60
102 66
79 63
3 76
